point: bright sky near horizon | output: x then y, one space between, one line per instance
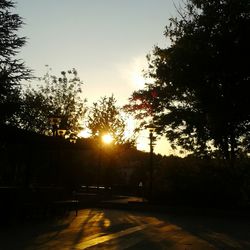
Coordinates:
105 40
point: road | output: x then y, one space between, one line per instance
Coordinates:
117 229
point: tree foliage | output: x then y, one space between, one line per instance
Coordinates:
54 97
200 96
12 70
105 117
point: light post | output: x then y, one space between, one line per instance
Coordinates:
151 129
55 122
61 132
72 138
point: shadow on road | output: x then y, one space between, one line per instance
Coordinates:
121 229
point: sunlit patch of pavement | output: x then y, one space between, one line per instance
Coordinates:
98 240
117 230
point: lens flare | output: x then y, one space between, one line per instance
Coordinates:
107 138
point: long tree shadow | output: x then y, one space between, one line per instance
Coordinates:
101 222
213 230
158 231
88 226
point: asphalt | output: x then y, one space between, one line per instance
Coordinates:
115 229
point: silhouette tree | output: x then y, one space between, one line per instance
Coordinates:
12 70
200 97
54 97
106 117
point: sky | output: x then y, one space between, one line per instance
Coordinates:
105 40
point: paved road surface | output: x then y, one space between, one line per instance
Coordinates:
116 230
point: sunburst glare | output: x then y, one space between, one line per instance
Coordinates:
107 138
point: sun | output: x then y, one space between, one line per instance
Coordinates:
107 138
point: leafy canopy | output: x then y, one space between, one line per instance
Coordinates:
200 96
58 97
12 70
105 117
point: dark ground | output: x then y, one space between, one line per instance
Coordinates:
107 228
